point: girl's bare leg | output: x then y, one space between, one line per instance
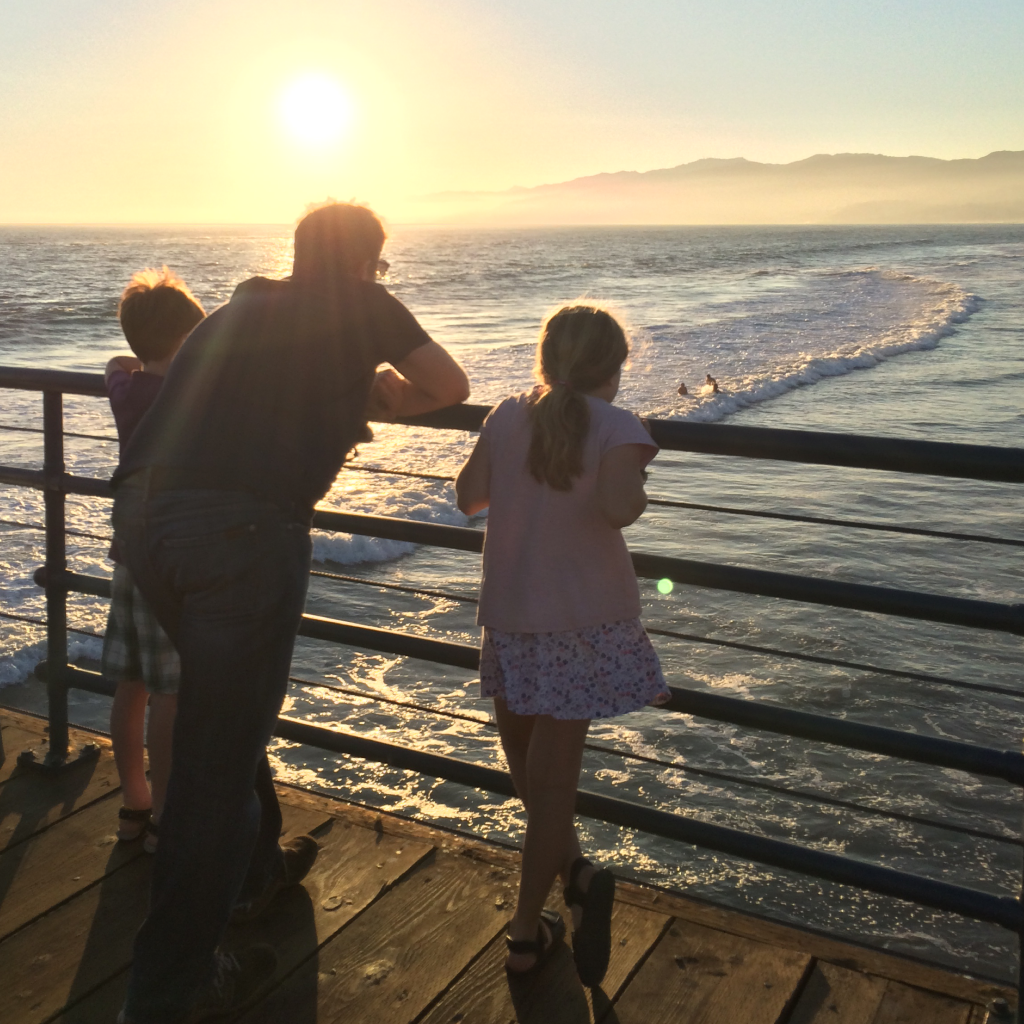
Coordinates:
515 731
553 756
163 707
127 719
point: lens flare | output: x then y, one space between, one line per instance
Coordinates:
665 586
315 109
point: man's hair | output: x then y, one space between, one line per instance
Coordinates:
157 311
336 239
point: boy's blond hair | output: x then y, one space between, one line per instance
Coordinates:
157 311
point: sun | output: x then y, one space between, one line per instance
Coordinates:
315 109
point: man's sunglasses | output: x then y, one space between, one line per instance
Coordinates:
382 268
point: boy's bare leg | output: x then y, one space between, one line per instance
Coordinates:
127 721
163 707
553 760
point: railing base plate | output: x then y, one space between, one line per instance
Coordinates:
41 759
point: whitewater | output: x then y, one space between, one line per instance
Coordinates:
902 332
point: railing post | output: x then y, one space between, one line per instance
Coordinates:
56 566
59 754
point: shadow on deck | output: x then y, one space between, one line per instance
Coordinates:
400 923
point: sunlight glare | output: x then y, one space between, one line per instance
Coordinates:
315 109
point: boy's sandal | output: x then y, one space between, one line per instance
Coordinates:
592 940
550 933
134 821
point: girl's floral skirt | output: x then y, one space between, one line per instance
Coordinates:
597 672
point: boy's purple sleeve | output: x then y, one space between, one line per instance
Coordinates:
117 384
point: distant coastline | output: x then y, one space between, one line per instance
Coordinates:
845 188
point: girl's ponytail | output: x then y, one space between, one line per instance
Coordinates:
580 348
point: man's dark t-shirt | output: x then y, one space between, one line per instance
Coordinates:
268 394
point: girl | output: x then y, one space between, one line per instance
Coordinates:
562 471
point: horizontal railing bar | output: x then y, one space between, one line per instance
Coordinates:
774 652
788 586
66 433
690 638
36 621
911 604
441 652
790 517
846 524
834 593
66 382
401 587
818 659
687 769
1001 764
854 451
456 538
1007 765
34 478
69 533
777 853
938 458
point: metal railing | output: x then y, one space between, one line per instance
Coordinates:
950 460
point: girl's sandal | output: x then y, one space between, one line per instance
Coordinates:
150 839
550 933
132 823
592 940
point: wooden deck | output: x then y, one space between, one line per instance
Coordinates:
399 923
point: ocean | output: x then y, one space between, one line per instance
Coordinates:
911 332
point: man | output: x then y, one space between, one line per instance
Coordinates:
214 497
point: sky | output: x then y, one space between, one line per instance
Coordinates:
117 111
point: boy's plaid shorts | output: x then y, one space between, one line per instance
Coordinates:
135 646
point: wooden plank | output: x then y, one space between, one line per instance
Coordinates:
51 866
844 953
61 957
64 955
392 961
855 957
696 975
355 867
30 801
35 724
450 841
834 995
484 994
903 1004
15 739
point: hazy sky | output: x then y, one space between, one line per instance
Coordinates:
120 111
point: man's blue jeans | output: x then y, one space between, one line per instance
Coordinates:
226 575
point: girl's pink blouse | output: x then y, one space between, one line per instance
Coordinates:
551 561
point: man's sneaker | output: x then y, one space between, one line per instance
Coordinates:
239 981
299 853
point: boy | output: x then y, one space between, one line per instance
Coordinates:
157 312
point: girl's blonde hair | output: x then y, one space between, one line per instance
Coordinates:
580 348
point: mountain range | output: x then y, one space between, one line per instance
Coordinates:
844 188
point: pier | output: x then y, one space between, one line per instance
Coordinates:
401 923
